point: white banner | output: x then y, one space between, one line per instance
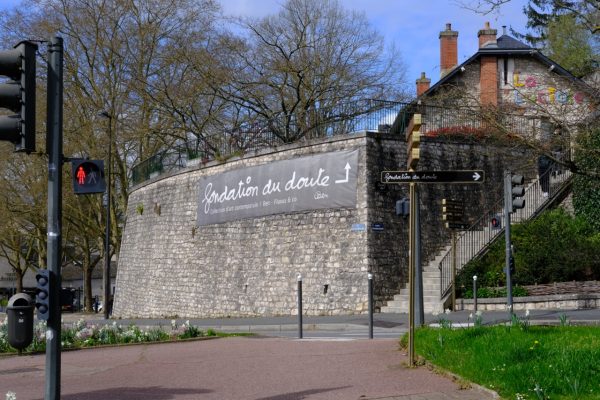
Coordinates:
325 180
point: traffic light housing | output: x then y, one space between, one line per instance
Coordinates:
517 190
18 95
496 222
88 176
403 207
42 293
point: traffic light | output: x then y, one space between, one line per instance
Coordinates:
88 176
413 139
42 294
496 222
18 95
517 191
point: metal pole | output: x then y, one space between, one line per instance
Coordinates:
299 306
454 250
507 211
54 144
370 279
419 305
411 276
106 275
474 292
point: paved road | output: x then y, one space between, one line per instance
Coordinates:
236 368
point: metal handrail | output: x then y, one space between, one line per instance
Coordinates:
480 235
342 119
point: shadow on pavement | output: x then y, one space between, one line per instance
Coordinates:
300 395
145 393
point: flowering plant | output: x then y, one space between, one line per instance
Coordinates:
83 334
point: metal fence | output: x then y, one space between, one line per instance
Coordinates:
343 119
474 241
367 115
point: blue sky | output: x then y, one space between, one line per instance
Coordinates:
412 25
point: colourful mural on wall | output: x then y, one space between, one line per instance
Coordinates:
527 88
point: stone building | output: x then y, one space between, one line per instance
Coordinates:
510 77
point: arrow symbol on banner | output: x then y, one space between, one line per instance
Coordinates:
347 168
476 176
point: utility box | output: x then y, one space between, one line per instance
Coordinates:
20 321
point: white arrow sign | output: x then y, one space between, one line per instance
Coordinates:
347 168
476 176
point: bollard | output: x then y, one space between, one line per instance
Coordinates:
370 278
299 306
474 292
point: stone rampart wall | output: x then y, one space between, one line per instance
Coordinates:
169 266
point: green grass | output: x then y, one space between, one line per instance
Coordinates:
522 362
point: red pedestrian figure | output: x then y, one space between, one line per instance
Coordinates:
80 175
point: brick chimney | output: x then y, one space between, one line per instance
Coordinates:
487 35
488 75
422 84
448 50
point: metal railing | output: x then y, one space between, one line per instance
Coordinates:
466 121
344 119
474 241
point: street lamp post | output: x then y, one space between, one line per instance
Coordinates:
106 274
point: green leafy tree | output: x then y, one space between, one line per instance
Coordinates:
586 189
554 247
570 45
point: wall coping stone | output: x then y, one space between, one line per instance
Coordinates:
267 151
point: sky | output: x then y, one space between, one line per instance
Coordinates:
413 26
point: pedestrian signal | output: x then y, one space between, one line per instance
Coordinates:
496 222
88 176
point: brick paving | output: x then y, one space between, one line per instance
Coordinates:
237 368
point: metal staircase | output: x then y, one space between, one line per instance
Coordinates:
437 275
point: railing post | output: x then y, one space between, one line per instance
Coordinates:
370 279
299 306
474 292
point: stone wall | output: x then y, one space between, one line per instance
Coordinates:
170 266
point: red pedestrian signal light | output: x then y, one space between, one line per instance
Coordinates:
88 176
496 222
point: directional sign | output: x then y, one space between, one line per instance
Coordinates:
453 217
470 176
456 203
454 225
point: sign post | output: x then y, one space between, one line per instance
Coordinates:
413 177
413 140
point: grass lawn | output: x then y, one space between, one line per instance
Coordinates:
519 362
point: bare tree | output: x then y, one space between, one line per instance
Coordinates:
303 67
118 55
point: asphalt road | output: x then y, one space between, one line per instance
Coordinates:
348 326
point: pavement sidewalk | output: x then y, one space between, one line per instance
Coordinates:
244 368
